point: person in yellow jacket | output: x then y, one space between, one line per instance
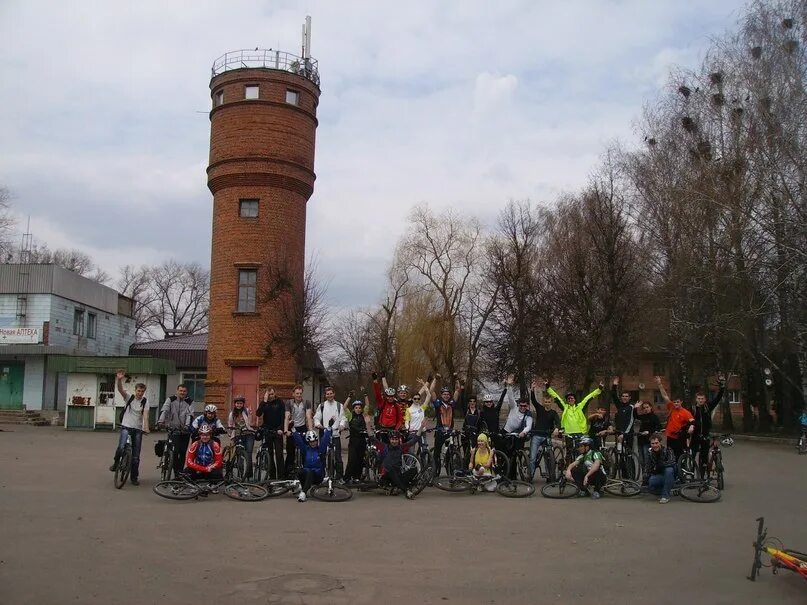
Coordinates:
573 419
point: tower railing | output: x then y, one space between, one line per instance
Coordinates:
267 59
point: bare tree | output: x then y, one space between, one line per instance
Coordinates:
351 339
7 224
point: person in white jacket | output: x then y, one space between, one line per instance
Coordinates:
518 424
328 410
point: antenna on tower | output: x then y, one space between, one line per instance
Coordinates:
307 37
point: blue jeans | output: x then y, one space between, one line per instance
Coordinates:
535 444
662 483
137 441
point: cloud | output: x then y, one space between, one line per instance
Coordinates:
466 104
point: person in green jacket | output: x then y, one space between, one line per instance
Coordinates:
573 419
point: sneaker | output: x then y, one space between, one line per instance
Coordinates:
135 482
663 500
410 495
114 467
301 496
595 495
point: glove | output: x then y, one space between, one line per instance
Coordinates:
331 421
374 375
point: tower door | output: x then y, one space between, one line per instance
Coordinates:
245 382
12 376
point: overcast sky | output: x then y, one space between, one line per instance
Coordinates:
104 128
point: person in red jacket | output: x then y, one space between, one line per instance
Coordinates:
204 459
390 414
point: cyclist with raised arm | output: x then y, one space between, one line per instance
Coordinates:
624 417
544 426
392 462
680 422
702 415
209 416
134 423
415 414
390 415
313 453
176 415
240 426
489 415
331 413
518 424
357 429
444 414
587 470
573 419
205 459
273 422
659 470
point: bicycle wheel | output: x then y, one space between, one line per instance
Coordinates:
700 491
423 479
550 466
502 464
624 488
331 493
630 466
240 466
246 492
717 465
124 467
522 467
453 461
177 490
686 467
166 464
409 462
452 484
262 466
515 489
559 490
558 456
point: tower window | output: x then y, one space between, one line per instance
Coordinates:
247 286
219 99
292 97
248 208
251 91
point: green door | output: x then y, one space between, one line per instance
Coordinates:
12 374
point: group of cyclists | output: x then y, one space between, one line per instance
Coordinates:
396 421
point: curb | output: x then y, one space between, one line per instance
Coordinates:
766 439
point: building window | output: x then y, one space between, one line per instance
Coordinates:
78 322
196 385
734 397
659 368
251 91
657 398
218 99
247 285
292 97
248 208
92 325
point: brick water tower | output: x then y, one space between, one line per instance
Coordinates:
261 174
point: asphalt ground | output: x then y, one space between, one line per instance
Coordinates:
68 536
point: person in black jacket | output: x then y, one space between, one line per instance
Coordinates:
648 425
470 424
357 428
545 425
624 417
703 423
659 471
392 462
489 416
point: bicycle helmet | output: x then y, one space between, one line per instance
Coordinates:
586 441
358 402
311 436
240 398
389 392
445 390
210 408
403 388
488 398
205 429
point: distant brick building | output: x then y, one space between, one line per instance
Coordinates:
261 174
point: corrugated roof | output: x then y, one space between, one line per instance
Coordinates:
193 342
108 365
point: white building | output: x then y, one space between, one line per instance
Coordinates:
47 315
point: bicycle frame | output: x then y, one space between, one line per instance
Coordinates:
791 560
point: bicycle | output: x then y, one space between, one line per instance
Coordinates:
547 455
166 450
278 487
124 467
466 481
621 463
564 488
781 557
521 457
714 464
265 466
451 455
185 488
371 473
726 440
235 457
329 490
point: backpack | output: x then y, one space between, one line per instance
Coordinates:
128 403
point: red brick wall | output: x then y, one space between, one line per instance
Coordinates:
260 149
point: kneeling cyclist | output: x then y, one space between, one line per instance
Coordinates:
204 459
392 462
313 451
587 470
